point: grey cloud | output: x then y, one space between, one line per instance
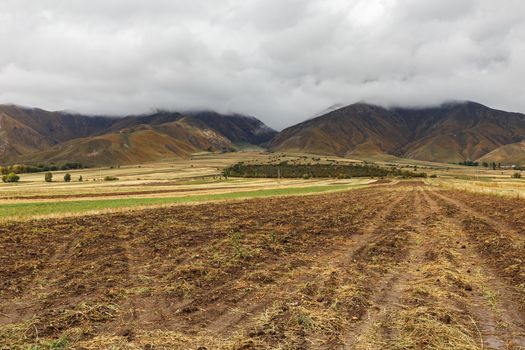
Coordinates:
280 60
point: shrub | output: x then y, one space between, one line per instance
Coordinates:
21 168
80 178
110 178
516 175
67 177
11 177
48 177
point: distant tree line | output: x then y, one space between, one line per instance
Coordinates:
286 170
492 165
469 163
48 177
24 169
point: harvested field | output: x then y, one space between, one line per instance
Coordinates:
404 266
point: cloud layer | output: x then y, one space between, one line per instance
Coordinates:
280 60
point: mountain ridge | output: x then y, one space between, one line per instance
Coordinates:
451 132
35 135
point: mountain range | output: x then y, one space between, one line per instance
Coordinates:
36 136
452 132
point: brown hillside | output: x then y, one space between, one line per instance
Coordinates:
513 154
35 135
357 128
237 128
17 138
449 133
136 145
29 130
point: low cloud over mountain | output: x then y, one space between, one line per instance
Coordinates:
279 60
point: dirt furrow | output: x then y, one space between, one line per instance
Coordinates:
162 256
500 217
294 280
317 314
424 307
488 300
368 334
502 248
439 297
220 308
400 267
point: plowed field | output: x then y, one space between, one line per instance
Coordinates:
405 266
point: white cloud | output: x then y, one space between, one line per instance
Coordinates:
281 60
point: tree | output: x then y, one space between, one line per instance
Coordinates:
18 169
48 177
11 177
67 177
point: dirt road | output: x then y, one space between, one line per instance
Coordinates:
407 266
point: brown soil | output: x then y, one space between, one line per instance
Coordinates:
126 193
403 266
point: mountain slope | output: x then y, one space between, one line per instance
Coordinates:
513 154
35 135
450 133
17 138
28 130
354 129
134 145
237 128
460 131
57 126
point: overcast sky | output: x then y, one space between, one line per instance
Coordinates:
280 60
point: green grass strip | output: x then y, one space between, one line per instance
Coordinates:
28 209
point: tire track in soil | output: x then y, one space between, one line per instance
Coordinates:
358 274
211 311
378 330
412 221
227 321
498 210
497 242
111 239
500 322
470 211
222 318
390 288
42 281
55 286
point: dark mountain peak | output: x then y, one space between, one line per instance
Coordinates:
451 132
236 127
361 107
156 118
